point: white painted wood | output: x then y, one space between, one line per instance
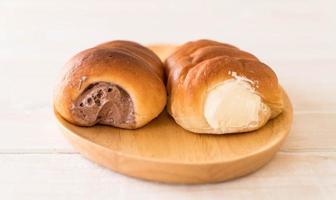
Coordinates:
313 132
296 38
310 132
69 176
286 29
310 84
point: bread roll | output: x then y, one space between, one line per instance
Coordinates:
217 88
119 83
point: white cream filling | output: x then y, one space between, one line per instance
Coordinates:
233 106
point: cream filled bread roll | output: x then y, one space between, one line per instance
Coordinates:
119 83
217 88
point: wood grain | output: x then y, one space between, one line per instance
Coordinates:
163 151
69 176
37 37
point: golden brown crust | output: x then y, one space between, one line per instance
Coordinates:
138 51
129 65
198 66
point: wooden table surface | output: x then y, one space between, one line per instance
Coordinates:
296 38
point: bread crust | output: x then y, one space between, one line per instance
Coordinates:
129 65
197 67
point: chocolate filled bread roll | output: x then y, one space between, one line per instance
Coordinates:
119 83
217 88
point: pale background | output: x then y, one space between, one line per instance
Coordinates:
296 38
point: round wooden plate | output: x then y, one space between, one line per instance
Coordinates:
162 151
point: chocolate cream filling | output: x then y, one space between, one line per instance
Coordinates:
105 103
